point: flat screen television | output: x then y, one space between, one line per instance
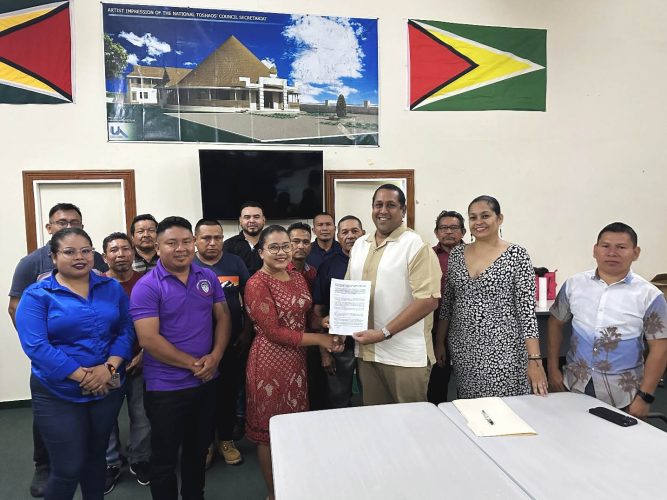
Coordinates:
288 184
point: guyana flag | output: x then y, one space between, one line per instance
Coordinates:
463 67
35 52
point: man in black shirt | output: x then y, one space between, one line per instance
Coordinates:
243 244
339 366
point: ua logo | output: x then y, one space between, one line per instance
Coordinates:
117 131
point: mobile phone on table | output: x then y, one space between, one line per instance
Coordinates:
615 417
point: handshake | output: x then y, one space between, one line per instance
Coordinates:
332 343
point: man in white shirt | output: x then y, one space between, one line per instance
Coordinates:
396 352
613 312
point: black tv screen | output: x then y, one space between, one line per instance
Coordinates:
288 184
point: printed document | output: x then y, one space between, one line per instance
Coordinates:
349 304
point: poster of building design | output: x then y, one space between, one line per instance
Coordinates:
202 75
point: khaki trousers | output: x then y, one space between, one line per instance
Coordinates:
385 384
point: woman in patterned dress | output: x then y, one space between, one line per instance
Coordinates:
488 312
277 301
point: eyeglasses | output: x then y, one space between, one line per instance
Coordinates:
447 214
67 223
449 229
274 249
70 253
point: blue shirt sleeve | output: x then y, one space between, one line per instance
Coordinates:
560 309
655 319
125 337
31 323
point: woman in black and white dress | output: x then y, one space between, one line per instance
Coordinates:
488 312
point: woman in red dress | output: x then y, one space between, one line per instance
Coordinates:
277 301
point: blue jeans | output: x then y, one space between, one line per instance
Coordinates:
139 444
75 435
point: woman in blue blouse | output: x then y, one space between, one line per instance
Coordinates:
75 328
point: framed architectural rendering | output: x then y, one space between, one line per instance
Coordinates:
202 75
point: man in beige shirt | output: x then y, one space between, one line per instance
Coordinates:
396 353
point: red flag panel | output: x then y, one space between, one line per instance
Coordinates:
42 47
432 64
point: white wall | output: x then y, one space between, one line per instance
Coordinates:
592 158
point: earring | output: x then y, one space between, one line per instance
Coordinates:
501 232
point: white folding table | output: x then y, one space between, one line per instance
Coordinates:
392 452
575 454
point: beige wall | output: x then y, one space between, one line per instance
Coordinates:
593 157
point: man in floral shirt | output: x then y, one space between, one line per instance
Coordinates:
613 312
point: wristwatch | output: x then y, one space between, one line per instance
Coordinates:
386 333
648 398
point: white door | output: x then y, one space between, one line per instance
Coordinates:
102 205
354 197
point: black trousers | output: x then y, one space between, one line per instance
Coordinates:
228 385
317 379
339 385
180 419
439 380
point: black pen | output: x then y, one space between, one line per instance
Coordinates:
488 419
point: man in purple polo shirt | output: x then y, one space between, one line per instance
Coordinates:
174 307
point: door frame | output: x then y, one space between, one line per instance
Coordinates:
331 177
32 179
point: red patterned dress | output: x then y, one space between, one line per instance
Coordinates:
276 373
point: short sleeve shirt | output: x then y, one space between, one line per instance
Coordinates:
185 312
609 325
37 265
403 268
232 275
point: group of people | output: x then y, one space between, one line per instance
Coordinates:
198 330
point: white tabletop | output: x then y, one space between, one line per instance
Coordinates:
576 454
391 452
